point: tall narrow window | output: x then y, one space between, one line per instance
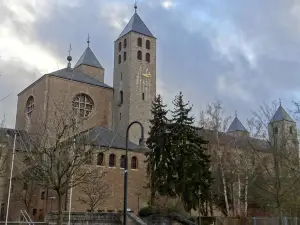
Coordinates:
112 160
100 159
139 55
134 162
43 195
120 116
88 157
120 59
120 46
148 57
121 98
124 56
276 130
140 42
143 96
122 161
121 76
148 44
29 106
291 130
125 43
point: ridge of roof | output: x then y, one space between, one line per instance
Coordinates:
281 115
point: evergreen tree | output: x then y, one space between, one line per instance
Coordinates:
158 159
191 163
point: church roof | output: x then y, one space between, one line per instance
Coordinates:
88 58
281 115
236 125
101 136
70 74
137 25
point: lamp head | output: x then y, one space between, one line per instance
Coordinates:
142 146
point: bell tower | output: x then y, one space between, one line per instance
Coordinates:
134 77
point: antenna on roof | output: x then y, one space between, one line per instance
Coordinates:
69 58
88 40
135 6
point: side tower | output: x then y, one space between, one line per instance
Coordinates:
283 131
134 77
236 128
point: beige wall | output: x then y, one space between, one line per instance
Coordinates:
97 73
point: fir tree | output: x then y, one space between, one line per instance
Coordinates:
191 163
158 159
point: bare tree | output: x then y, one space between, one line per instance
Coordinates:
94 192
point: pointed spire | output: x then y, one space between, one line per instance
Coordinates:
281 115
69 58
137 25
88 40
88 58
236 125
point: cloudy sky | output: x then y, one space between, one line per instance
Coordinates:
241 52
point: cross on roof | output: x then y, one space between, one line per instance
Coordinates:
70 49
88 40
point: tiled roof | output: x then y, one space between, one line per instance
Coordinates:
101 136
281 115
71 74
136 25
88 58
236 125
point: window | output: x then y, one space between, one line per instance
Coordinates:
120 116
276 130
120 46
122 161
125 43
148 57
121 76
148 44
100 159
2 211
143 96
43 195
83 105
140 42
33 212
121 98
291 130
139 55
25 186
134 162
29 106
124 56
120 59
112 160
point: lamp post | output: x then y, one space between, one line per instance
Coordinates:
141 147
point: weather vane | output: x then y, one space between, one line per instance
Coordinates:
88 40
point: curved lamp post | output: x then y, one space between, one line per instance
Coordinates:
143 148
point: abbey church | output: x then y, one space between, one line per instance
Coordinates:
106 111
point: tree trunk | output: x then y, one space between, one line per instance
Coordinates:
246 196
225 189
59 209
239 197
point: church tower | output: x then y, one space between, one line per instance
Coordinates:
236 128
134 77
282 130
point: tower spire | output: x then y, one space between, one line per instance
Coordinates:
88 40
69 58
135 6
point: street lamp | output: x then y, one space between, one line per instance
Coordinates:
142 148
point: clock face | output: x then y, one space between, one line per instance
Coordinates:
144 73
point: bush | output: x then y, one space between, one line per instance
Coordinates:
148 211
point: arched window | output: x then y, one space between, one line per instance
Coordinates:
83 105
125 43
122 161
119 59
100 159
29 106
143 96
121 97
148 57
140 42
120 46
124 56
148 44
88 157
112 160
139 55
276 130
134 162
43 195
